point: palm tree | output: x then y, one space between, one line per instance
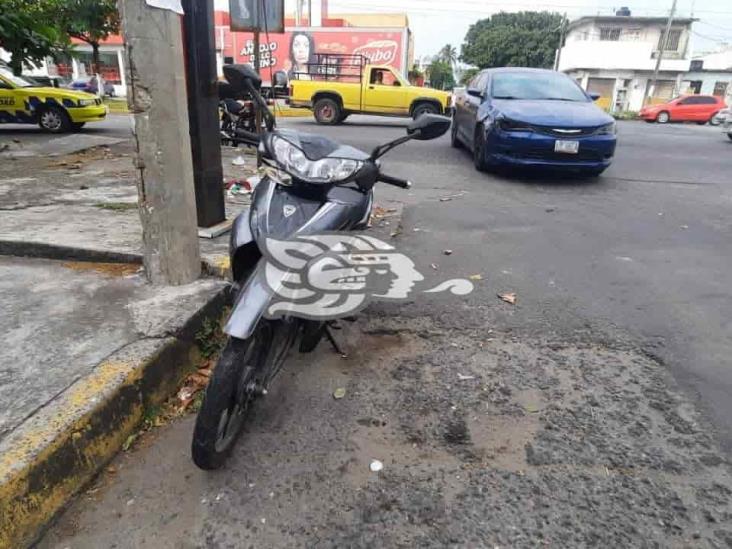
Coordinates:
448 54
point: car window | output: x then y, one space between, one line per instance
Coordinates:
536 85
707 101
15 80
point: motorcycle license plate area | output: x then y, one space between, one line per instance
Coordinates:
566 147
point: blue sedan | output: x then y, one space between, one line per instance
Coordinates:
532 118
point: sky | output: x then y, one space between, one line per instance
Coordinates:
439 22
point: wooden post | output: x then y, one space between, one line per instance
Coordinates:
156 94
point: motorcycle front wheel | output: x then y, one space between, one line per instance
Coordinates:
244 370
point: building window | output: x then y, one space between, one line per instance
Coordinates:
672 43
610 34
720 89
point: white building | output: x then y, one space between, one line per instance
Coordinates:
615 56
710 74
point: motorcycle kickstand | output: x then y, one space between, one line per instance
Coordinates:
333 342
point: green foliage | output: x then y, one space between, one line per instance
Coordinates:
468 75
448 54
210 338
90 20
29 33
441 76
522 39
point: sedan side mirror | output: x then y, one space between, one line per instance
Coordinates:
594 96
428 126
475 93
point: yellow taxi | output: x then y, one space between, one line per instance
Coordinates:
55 110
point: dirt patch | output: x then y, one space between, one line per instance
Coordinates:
107 269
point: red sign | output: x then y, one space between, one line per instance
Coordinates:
292 50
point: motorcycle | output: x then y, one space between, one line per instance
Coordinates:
312 185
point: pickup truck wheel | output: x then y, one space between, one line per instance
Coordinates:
424 108
327 111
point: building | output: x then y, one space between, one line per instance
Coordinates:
710 74
384 38
615 56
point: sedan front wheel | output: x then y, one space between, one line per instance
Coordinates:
479 150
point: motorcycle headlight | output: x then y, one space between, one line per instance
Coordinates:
608 129
86 102
326 170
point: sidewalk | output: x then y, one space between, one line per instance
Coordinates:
89 345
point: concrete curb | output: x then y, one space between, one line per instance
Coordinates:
45 462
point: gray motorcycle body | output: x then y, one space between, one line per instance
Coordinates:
310 210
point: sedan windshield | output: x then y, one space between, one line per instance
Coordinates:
15 80
533 85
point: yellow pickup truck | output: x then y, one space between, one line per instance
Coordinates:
335 86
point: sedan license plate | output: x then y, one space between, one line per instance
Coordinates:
567 147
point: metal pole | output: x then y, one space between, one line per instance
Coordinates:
257 61
201 78
562 26
659 57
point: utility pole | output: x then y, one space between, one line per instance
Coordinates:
257 62
157 98
203 111
659 57
562 26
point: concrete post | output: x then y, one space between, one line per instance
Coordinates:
156 94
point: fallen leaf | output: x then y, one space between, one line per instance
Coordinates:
508 298
476 277
129 442
339 393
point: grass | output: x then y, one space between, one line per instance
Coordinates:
117 106
117 206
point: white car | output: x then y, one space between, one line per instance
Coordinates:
727 124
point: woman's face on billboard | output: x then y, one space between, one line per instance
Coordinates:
301 49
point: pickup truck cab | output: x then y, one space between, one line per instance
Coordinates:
333 89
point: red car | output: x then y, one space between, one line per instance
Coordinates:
685 108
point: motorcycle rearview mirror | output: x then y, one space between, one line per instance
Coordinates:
280 79
237 75
428 126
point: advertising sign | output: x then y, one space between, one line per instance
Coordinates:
266 15
292 50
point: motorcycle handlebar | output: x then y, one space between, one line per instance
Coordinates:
401 183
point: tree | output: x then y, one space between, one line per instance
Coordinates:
468 75
523 39
91 21
441 77
448 54
25 34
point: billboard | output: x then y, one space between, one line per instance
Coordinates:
292 50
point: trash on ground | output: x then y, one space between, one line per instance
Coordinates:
476 277
463 377
129 442
376 466
434 266
339 393
684 226
508 297
238 161
447 252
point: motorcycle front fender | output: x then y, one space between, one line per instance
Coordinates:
250 304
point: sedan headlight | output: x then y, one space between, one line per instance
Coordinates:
608 129
508 125
326 170
86 102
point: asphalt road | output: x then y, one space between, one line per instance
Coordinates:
30 140
593 412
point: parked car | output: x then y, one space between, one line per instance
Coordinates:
337 85
685 108
48 81
532 118
727 124
55 110
90 84
720 117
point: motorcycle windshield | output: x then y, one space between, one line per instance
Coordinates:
317 147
